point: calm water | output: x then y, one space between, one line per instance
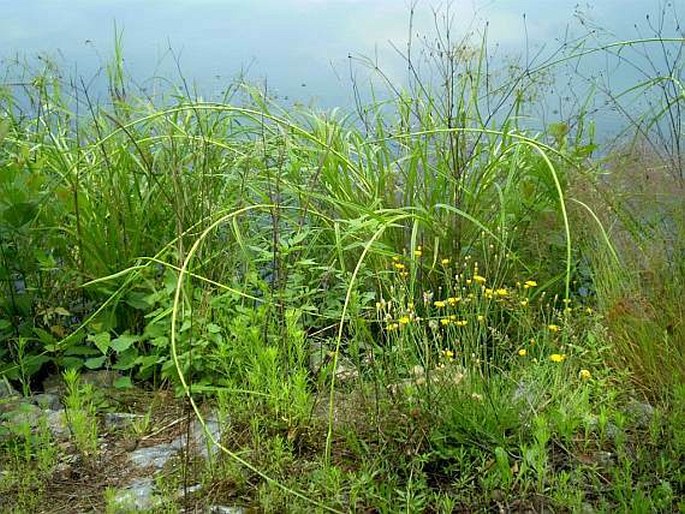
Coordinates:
301 47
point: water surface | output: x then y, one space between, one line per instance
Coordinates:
301 49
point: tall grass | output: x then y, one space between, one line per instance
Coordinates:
441 257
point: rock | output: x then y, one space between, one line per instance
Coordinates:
220 509
604 459
199 442
160 454
640 413
10 404
190 490
47 401
54 385
138 495
320 356
102 378
156 456
204 444
57 423
120 420
22 413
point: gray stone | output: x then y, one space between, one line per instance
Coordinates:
102 378
160 454
604 459
610 429
203 443
138 495
119 420
640 414
199 440
189 490
22 413
10 404
47 401
54 384
221 509
320 356
57 423
156 456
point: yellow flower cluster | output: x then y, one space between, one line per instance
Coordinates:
452 320
448 354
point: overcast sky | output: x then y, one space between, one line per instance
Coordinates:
300 45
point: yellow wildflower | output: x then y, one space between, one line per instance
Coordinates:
584 374
461 323
522 352
480 317
557 357
529 283
418 252
440 303
554 328
392 326
445 262
403 320
524 302
445 321
502 292
452 300
479 279
398 265
448 354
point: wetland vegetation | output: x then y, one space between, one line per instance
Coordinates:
420 304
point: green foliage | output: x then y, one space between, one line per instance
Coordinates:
423 305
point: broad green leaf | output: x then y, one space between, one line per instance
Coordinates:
127 359
101 340
123 383
95 362
213 328
139 300
123 342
